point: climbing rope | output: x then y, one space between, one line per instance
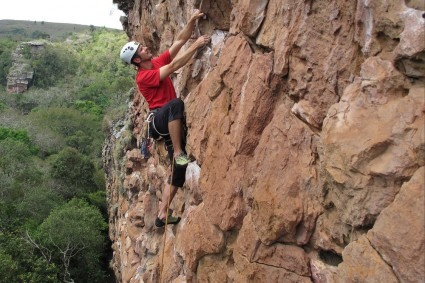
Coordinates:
205 17
166 222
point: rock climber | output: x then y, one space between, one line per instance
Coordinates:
167 110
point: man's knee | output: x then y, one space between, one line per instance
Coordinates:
178 104
176 109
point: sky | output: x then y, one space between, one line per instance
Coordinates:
84 12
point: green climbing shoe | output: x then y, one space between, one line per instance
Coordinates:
181 159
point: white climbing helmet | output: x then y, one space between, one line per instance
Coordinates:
128 51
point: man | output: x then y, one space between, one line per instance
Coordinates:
157 88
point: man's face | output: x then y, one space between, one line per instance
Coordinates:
144 53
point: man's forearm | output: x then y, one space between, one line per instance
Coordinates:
185 34
181 60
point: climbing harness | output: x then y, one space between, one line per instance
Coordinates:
151 119
147 138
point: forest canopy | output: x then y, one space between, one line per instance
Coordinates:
53 216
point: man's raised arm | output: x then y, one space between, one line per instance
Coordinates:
185 34
182 59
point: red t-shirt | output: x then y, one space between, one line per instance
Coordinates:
157 93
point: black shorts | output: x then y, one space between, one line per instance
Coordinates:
171 111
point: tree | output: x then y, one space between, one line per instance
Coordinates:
37 204
73 234
66 126
17 169
80 141
19 262
39 34
88 106
52 64
75 171
6 48
98 199
8 267
19 135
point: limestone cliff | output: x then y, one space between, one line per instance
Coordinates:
306 119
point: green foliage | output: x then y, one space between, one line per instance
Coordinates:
18 135
74 233
88 106
40 271
80 141
99 178
109 77
65 121
8 267
25 50
121 144
15 157
19 262
8 218
15 33
52 64
78 84
22 30
37 204
6 48
75 171
98 199
17 169
35 98
68 127
39 34
94 91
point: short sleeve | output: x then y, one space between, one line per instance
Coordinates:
149 78
164 59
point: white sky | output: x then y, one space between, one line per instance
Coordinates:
84 12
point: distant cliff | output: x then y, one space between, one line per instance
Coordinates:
21 74
306 119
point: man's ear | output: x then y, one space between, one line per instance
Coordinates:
137 60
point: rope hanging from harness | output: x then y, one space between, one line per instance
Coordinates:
166 223
145 144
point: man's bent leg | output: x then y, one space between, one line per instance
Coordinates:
167 197
175 128
169 120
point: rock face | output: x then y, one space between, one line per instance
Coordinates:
21 74
306 119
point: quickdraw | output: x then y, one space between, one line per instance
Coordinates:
146 139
